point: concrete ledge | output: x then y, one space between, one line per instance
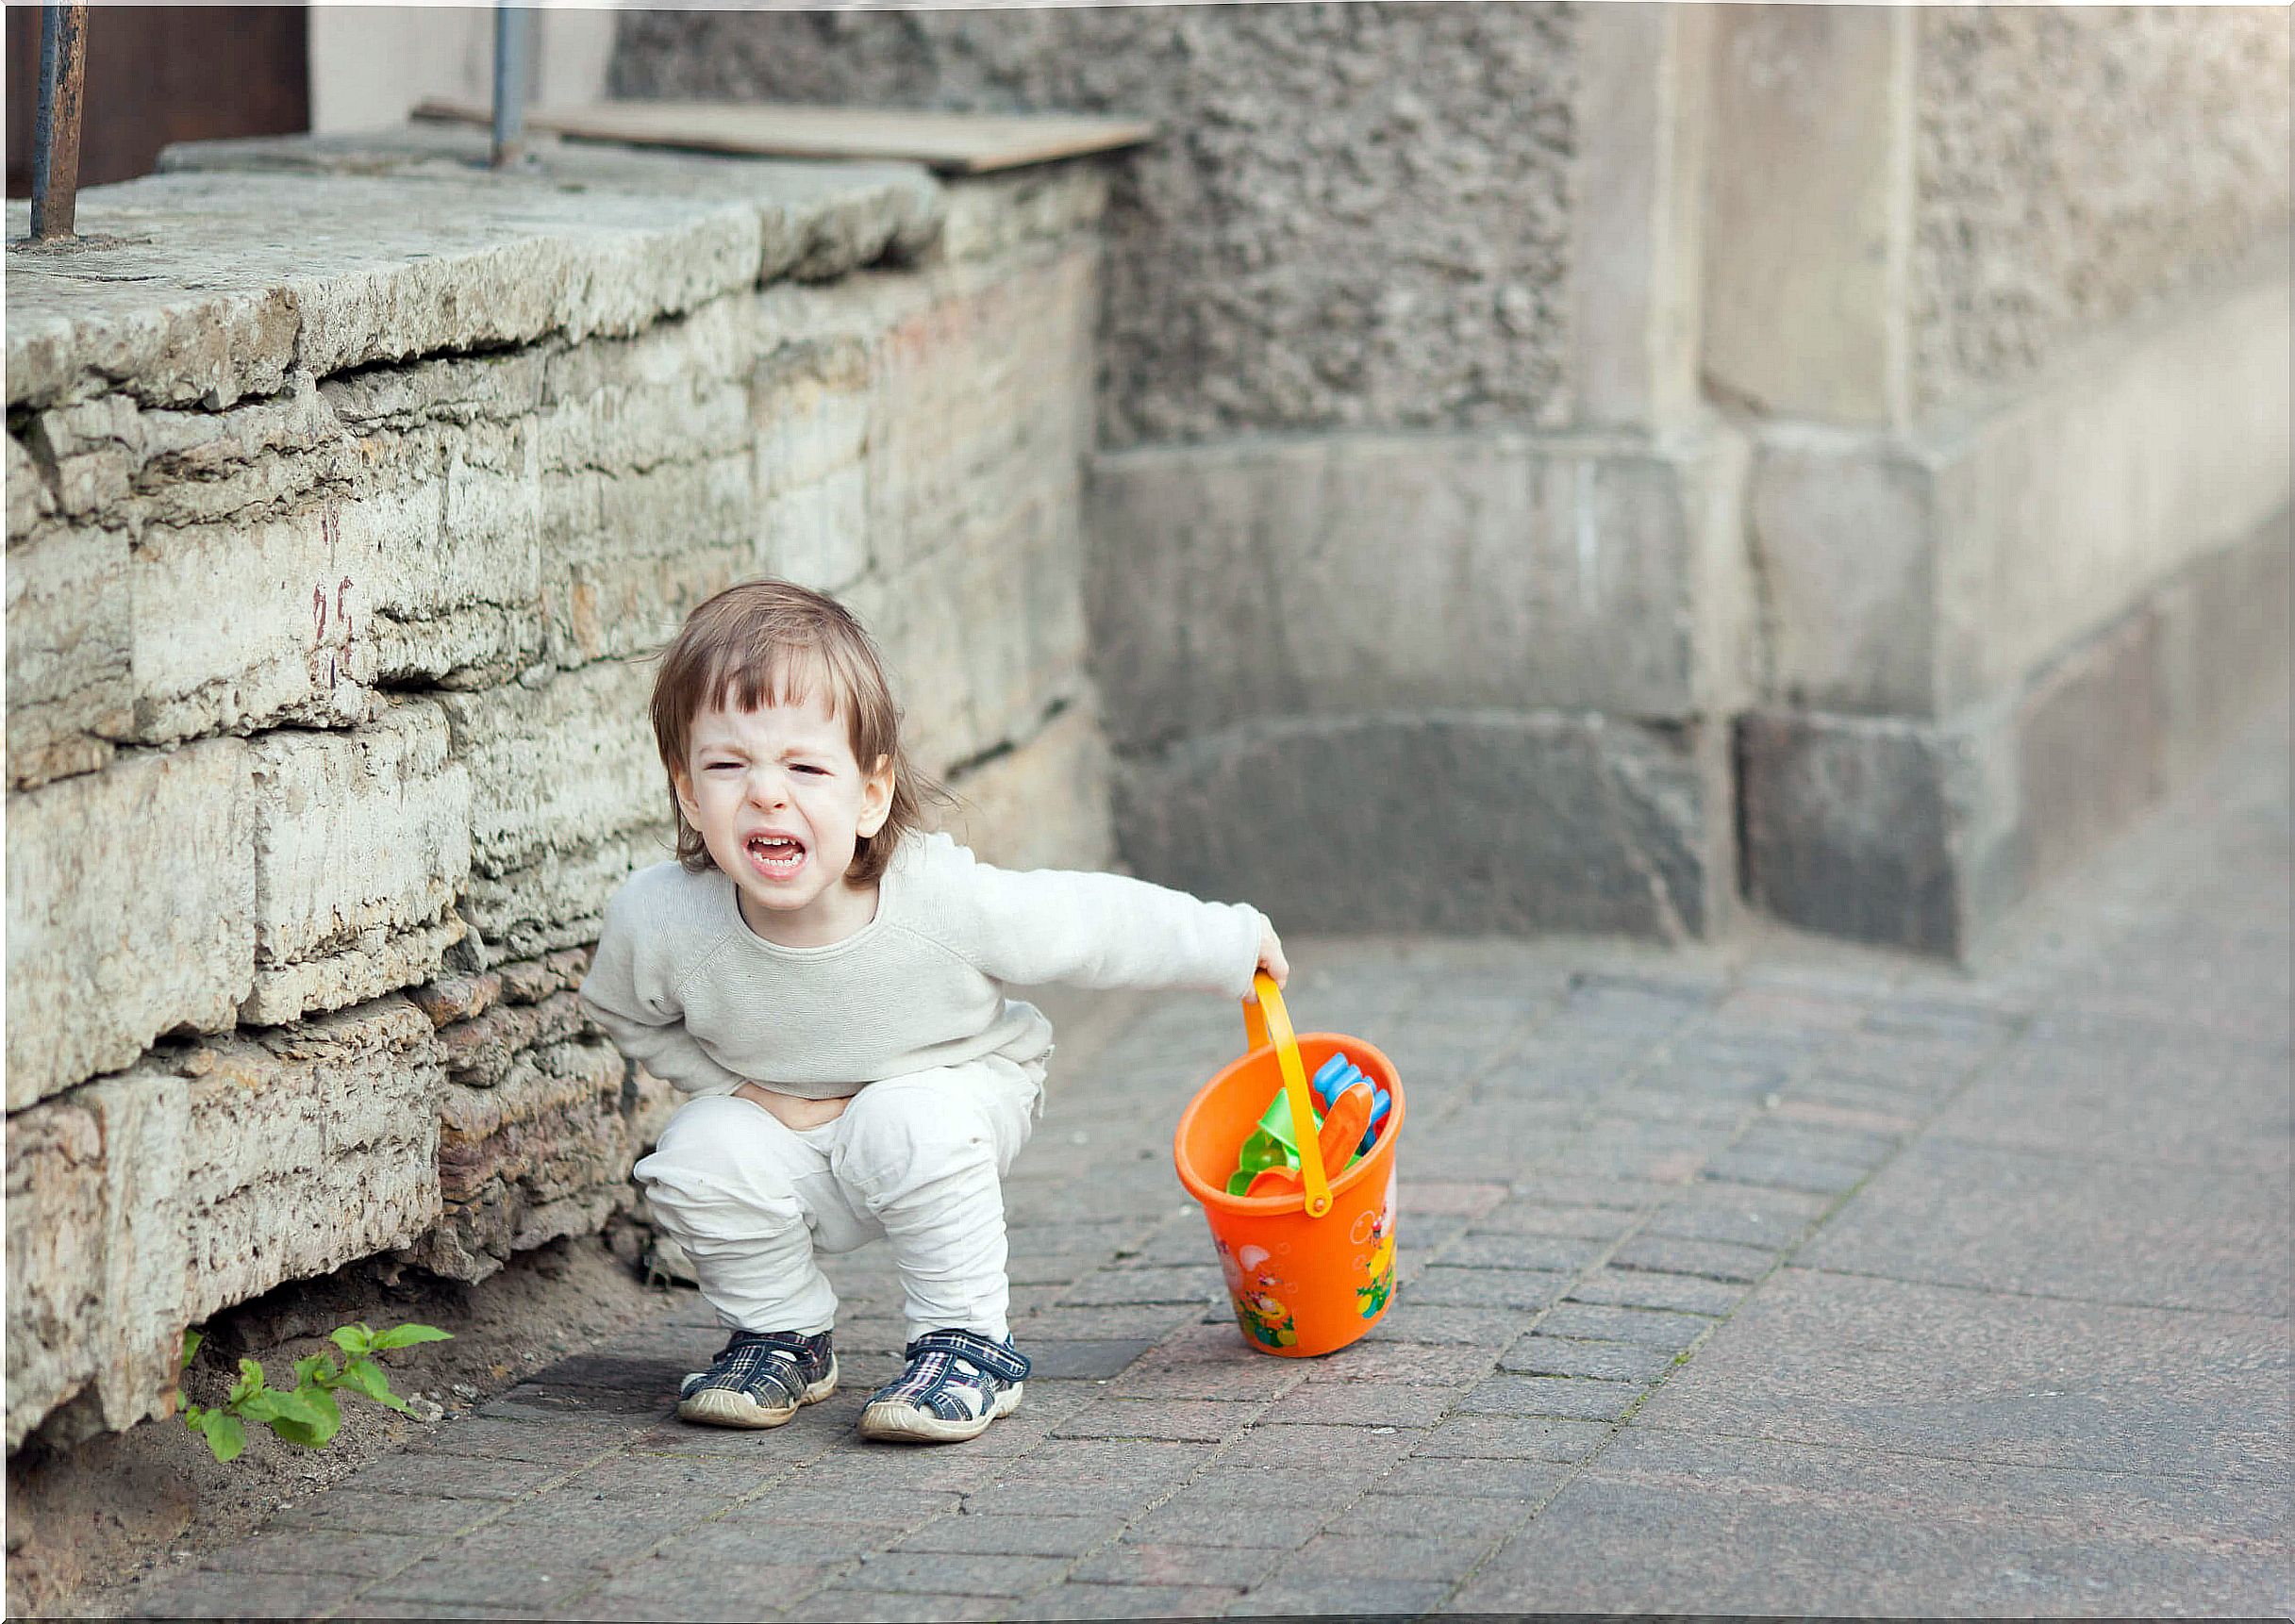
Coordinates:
1461 821
1918 574
1331 576
1923 834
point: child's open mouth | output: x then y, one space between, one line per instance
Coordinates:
776 857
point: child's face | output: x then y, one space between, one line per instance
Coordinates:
781 804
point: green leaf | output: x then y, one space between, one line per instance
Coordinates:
226 1437
190 1413
192 1339
366 1377
250 1375
314 1370
309 1421
352 1339
408 1335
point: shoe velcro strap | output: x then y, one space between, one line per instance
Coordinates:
996 1358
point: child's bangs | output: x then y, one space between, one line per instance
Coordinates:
791 674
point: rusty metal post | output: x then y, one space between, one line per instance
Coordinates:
513 55
63 76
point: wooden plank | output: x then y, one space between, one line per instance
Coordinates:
953 143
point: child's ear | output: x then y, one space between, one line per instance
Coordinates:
681 786
877 797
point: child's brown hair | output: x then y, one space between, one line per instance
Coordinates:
767 642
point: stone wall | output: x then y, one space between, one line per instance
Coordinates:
348 490
2077 165
1356 216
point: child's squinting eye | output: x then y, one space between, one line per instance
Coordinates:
806 767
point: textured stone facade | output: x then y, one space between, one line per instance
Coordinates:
329 598
1356 216
2078 164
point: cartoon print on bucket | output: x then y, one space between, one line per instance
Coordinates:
1252 1287
1377 1229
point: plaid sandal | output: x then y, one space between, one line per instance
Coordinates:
759 1380
957 1383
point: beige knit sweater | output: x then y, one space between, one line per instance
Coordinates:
689 991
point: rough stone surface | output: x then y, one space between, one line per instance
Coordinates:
140 1204
130 911
1639 816
361 845
2075 165
1923 835
1337 575
1356 216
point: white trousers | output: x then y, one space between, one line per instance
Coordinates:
919 1159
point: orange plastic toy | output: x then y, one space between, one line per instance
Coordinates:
1310 1268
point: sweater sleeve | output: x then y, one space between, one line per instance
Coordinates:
1100 931
628 991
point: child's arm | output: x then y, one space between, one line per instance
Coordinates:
628 996
1103 931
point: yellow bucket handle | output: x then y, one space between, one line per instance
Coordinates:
1268 1020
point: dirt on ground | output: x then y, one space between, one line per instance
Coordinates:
90 1524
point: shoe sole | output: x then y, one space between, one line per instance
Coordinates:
724 1407
893 1423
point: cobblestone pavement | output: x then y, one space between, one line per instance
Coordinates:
1798 1280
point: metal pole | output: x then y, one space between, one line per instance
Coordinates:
63 76
513 50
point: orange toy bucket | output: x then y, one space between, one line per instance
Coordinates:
1310 1271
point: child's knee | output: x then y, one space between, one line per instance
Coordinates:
719 1153
899 1130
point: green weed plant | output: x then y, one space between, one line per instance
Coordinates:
307 1414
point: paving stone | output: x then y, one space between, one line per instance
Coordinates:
770 1541
1715 1260
654 1590
478 1437
1638 1289
641 1477
1383 1512
1012 1535
1480 1327
1745 1215
1641 1529
360 1510
1362 1403
1429 1363
2174 1235
1084 1360
847 1603
1085 1599
486 1581
1650 1326
1231 1567
1516 1481
360 1555
1559 1397
1508 1437
1562 1188
1359 1597
1977 1375
1786 1172
1342 1556
1205 1421
431 1475
1128 1286
941 1573
1203 1515
1520 1290
808 1497
1561 1222
1544 1355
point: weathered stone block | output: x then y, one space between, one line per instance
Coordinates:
142 1203
480 1051
130 911
1924 834
311 1145
1921 574
69 694
557 763
630 553
558 900
1340 576
545 1153
361 844
1469 822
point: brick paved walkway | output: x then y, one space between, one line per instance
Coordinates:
1802 1282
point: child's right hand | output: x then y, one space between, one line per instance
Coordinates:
1271 960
